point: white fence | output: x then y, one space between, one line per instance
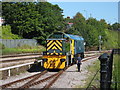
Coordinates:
17 66
11 43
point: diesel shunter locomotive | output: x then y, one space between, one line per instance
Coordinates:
62 49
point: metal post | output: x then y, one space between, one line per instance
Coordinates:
99 42
110 63
9 72
103 71
42 63
29 66
17 69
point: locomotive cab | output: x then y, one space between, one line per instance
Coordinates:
61 50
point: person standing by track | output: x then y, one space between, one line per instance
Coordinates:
79 62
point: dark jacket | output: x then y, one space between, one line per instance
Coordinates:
78 60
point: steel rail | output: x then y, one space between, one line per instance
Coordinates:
56 77
45 79
20 80
20 59
89 52
31 81
89 58
20 55
40 81
53 81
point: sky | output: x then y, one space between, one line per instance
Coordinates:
98 10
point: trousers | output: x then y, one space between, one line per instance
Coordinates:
78 66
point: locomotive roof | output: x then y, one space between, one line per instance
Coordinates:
75 37
55 39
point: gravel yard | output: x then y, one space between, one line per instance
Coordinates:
17 77
69 79
6 64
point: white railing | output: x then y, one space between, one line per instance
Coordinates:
17 66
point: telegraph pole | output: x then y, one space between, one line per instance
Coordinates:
86 13
99 43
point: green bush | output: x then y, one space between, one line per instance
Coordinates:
2 46
23 49
25 46
112 40
6 33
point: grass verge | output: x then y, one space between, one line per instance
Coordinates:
92 80
116 72
23 49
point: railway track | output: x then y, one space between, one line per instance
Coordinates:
20 58
104 51
20 55
13 59
23 79
35 79
49 79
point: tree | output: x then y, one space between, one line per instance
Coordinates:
33 19
116 26
7 34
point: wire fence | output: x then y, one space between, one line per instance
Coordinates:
109 72
12 43
89 85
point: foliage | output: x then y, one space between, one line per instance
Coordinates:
115 26
2 46
23 49
92 79
112 40
25 46
7 34
37 20
116 72
90 29
33 19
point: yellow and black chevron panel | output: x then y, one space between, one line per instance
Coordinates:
54 45
54 62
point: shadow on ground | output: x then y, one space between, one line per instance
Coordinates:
36 67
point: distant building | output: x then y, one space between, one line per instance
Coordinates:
1 21
69 25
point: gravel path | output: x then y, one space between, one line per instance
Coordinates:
71 78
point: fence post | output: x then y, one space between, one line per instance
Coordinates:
110 64
103 71
42 63
9 74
